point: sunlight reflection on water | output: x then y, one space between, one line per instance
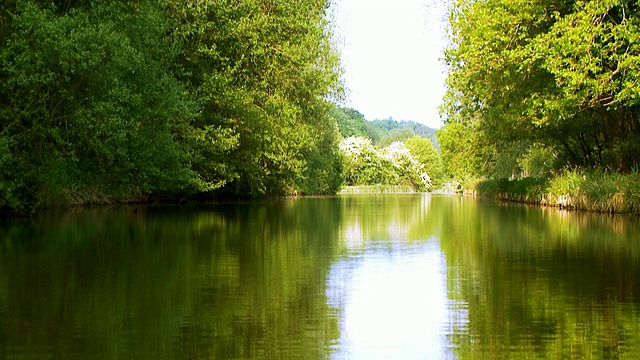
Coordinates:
392 303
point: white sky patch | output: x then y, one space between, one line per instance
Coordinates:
391 53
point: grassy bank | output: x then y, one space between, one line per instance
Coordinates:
599 191
377 189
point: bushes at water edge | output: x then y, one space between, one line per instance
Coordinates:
595 190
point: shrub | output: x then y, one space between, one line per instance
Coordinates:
595 190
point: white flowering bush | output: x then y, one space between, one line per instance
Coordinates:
363 164
407 169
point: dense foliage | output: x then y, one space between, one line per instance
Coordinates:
364 164
387 152
350 122
593 190
89 102
384 132
260 70
537 86
426 153
381 132
114 100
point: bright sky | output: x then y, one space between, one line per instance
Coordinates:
391 53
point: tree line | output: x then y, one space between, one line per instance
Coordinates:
387 152
535 87
382 132
113 100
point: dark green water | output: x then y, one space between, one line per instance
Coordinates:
352 277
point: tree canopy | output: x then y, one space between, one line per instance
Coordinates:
350 122
117 100
425 153
555 76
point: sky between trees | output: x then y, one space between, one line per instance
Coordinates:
391 53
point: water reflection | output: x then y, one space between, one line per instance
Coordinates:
392 302
389 286
541 283
384 217
490 281
235 281
353 277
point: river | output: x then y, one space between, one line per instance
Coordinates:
415 276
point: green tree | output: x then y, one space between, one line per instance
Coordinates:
397 134
551 73
363 164
260 71
350 121
374 132
406 169
113 100
324 172
89 103
385 132
456 150
424 152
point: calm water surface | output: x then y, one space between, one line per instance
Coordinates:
351 277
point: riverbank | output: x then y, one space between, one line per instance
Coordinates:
597 191
378 189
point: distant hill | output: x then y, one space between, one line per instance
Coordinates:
382 132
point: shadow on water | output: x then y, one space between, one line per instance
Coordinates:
223 281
